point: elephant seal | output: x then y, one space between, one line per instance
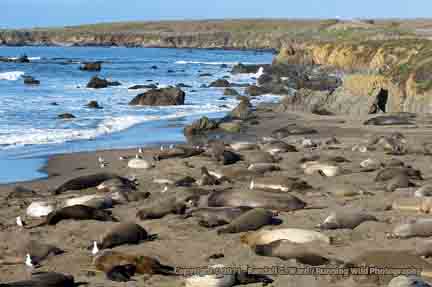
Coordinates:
395 144
276 147
216 216
391 172
124 233
323 169
116 184
417 228
40 251
207 178
259 157
106 260
87 181
77 212
248 221
390 120
424 248
121 273
346 220
262 168
399 181
422 205
269 200
242 146
303 253
279 183
173 203
40 208
221 276
44 279
293 235
292 130
178 152
95 200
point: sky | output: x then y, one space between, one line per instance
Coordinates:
44 13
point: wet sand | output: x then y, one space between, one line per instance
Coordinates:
182 242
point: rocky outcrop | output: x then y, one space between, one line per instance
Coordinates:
28 80
91 66
220 83
248 69
160 97
138 87
242 111
66 116
22 59
99 83
230 92
200 126
94 105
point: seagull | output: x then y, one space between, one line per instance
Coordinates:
122 158
171 146
19 221
252 185
137 156
95 249
28 261
162 148
102 165
165 189
101 159
140 150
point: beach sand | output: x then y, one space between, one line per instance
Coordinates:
182 242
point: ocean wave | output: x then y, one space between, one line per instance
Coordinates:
206 63
11 76
105 127
30 58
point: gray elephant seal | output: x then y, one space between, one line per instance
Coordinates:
44 279
346 220
216 216
256 199
259 157
77 212
391 120
391 172
124 233
303 253
262 168
279 184
249 221
399 181
87 181
292 130
40 251
416 228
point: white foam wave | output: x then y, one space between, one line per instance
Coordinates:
30 58
11 76
107 126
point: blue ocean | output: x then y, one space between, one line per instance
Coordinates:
29 128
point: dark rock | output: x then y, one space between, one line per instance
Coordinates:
94 105
256 91
205 75
91 66
66 116
200 126
28 80
138 87
170 71
247 69
22 59
54 104
154 67
98 83
224 66
230 92
181 85
264 79
389 120
221 83
160 97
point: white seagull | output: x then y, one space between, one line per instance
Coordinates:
101 159
28 261
162 148
95 249
165 189
140 150
19 221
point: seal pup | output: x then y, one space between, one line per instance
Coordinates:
279 183
293 235
307 254
106 260
346 220
39 251
77 212
216 216
421 227
263 199
124 233
44 279
86 181
251 220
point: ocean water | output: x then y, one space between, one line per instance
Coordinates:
30 130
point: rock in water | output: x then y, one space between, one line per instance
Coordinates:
91 66
221 83
160 97
28 80
200 126
94 105
98 83
66 116
242 111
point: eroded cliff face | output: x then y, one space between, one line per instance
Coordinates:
400 70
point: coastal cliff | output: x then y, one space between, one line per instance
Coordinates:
393 73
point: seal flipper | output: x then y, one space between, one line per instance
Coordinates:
152 237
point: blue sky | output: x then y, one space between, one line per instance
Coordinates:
31 13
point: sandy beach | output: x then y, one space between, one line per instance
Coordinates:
184 243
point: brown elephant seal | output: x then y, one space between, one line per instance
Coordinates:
346 220
178 152
106 260
276 147
173 203
44 279
40 251
77 212
391 172
87 181
292 130
307 254
259 157
216 216
279 184
399 181
249 221
416 228
262 168
390 120
263 199
207 178
124 233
